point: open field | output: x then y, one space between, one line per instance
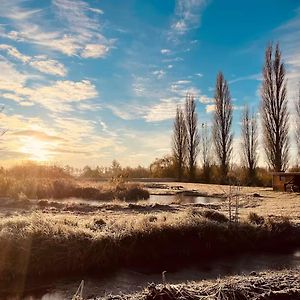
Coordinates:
60 237
266 203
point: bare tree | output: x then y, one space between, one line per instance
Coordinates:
274 110
222 125
249 143
193 138
205 151
297 121
179 142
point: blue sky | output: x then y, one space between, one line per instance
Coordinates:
84 82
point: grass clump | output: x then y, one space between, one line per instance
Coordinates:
214 215
254 218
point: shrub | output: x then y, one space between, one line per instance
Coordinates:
134 193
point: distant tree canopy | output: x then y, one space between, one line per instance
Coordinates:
114 170
34 170
163 167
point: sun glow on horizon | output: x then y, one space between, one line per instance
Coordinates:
35 149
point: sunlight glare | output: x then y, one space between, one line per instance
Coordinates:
35 149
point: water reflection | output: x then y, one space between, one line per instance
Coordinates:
168 199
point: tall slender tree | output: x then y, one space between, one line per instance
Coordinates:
179 142
249 143
193 138
222 125
206 152
297 121
274 111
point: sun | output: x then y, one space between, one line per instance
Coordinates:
35 149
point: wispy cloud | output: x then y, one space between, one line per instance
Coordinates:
55 96
39 135
188 15
159 73
163 110
257 77
39 62
290 42
81 34
165 51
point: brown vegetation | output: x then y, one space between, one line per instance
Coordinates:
262 286
47 188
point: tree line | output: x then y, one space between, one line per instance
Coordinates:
188 143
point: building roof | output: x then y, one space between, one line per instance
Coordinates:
286 173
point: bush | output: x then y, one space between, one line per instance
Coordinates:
134 193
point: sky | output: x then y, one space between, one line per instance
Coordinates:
85 82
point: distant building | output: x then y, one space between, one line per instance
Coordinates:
286 182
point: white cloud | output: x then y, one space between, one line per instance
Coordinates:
159 73
94 51
80 35
188 15
13 52
205 99
210 108
39 62
96 10
164 110
10 78
165 51
257 77
56 96
59 95
128 111
182 82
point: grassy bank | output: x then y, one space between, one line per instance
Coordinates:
44 244
283 285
